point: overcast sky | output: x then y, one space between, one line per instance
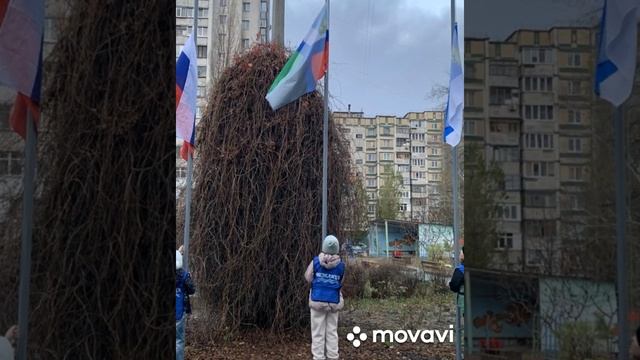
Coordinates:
385 55
497 19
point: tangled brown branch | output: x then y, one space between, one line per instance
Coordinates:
257 200
103 274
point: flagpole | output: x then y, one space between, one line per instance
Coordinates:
27 232
325 142
187 205
454 194
621 276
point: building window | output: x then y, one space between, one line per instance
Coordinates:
184 11
574 36
371 131
506 154
372 157
245 24
503 70
538 112
434 164
469 129
539 200
507 212
387 156
403 207
575 59
417 149
576 173
202 51
246 7
536 38
223 3
499 95
202 31
417 137
575 117
10 163
505 241
372 209
574 87
181 172
536 56
202 71
203 12
50 29
386 130
359 162
574 202
386 143
358 148
202 91
435 151
371 145
538 141
418 162
539 169
358 136
245 44
372 170
371 182
575 145
535 83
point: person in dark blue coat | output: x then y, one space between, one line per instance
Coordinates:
184 288
457 279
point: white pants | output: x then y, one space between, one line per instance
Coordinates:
324 335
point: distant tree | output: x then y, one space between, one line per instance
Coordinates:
359 215
388 199
481 190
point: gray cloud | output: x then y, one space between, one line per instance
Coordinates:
497 19
385 55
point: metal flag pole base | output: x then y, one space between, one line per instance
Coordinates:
621 276
27 233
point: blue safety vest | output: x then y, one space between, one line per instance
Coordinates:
460 267
326 282
180 294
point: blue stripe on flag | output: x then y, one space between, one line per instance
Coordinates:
37 83
182 69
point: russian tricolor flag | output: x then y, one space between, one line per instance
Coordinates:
186 96
21 29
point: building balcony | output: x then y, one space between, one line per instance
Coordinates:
539 213
509 139
503 81
508 110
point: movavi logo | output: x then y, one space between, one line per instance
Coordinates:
356 337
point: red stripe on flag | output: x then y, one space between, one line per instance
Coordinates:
178 95
18 117
4 4
185 150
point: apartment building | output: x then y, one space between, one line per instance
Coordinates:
225 29
410 145
528 103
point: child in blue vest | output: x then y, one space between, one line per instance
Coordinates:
326 274
184 288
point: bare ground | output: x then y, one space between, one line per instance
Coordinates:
432 311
